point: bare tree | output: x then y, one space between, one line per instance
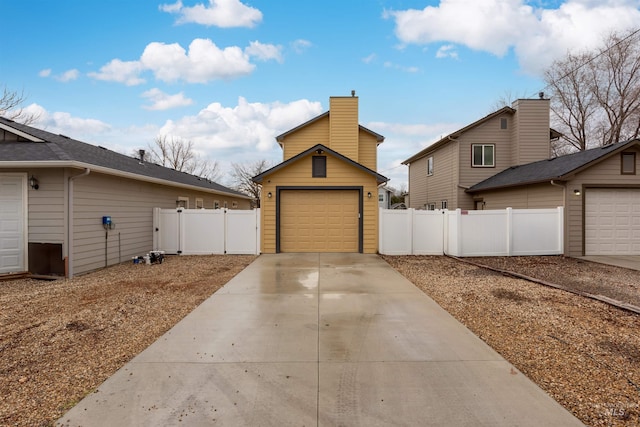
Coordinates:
11 107
242 177
595 95
179 154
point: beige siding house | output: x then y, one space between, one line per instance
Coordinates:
323 197
599 189
54 192
440 174
503 160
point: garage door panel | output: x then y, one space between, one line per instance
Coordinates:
319 221
612 221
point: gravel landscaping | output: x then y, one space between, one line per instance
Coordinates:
60 340
582 352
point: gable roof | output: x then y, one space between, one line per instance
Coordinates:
379 178
448 138
558 168
282 136
553 134
39 148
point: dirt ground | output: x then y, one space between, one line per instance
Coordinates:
584 353
60 340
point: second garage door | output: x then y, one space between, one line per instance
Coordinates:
612 221
319 221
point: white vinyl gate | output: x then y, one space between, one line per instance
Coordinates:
204 231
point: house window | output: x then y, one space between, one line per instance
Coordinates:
443 204
628 163
319 168
482 155
182 202
234 205
216 204
225 204
430 166
199 203
381 197
503 123
431 206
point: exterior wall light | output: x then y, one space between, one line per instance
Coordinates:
576 192
269 194
369 194
33 182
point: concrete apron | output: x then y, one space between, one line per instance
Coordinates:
319 339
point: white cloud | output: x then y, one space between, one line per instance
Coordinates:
246 128
164 101
447 51
301 45
369 59
264 52
201 63
127 72
65 123
68 75
538 35
219 13
411 69
45 73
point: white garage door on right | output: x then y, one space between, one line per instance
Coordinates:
612 221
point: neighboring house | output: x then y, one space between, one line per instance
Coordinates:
516 135
384 197
322 197
599 189
55 191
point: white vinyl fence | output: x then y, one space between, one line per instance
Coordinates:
508 232
206 231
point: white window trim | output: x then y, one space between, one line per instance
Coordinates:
443 204
199 203
430 166
483 146
184 199
234 205
216 204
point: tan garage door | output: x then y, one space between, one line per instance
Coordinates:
319 221
612 221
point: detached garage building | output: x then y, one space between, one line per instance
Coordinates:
599 188
323 196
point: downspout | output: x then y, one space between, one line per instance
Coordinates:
564 192
86 172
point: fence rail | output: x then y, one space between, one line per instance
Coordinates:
205 231
506 232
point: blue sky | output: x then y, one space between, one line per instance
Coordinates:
230 75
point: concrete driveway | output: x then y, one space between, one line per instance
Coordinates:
318 339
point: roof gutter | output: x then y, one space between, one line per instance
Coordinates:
114 172
70 190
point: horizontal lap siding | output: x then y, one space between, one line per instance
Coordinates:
531 142
339 173
367 150
306 137
130 204
486 133
603 174
542 196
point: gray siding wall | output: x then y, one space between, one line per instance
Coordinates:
539 196
604 174
530 131
130 204
46 205
418 183
441 185
486 133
